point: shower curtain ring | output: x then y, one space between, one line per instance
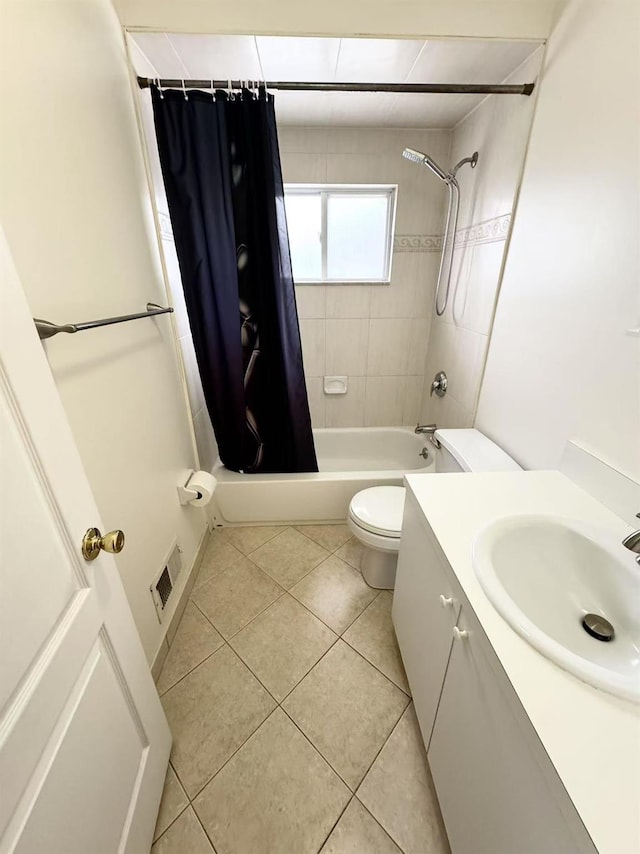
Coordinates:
213 91
184 89
160 88
230 90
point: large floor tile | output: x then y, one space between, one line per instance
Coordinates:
185 836
351 552
358 832
276 795
330 537
249 539
372 634
174 801
232 598
282 644
211 712
289 556
347 709
398 792
219 555
335 592
195 640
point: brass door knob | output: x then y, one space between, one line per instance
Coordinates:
93 542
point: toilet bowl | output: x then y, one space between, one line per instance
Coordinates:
375 517
375 514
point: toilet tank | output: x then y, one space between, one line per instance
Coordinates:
470 450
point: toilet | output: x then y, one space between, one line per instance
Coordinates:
375 514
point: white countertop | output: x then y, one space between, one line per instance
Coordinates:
592 738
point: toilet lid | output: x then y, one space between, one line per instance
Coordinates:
379 509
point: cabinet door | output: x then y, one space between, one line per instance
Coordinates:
426 603
497 788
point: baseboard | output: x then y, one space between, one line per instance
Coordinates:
159 660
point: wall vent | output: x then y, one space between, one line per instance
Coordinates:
162 587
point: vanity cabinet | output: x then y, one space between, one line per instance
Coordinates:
497 788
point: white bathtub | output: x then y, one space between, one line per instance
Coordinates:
349 459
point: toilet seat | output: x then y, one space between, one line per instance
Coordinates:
378 511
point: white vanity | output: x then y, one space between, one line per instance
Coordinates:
526 758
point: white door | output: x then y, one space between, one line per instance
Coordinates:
84 743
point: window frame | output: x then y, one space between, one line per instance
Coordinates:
324 191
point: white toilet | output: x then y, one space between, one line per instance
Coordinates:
375 514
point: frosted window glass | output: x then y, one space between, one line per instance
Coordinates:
304 223
357 236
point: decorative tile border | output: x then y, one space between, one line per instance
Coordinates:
417 243
488 231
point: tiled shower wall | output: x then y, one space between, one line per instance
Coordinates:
377 335
498 129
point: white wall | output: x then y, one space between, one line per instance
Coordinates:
560 365
498 129
508 19
77 213
377 335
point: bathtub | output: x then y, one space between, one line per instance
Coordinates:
349 459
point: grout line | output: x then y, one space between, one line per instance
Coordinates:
224 529
374 665
204 830
240 746
313 666
380 825
195 667
197 586
173 821
335 824
320 754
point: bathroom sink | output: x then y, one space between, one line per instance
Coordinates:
546 575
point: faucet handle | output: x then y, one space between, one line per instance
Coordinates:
439 384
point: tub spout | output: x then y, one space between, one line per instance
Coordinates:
430 431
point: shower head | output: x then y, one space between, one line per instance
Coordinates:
419 157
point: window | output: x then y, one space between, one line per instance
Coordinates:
340 233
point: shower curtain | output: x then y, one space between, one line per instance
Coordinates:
221 169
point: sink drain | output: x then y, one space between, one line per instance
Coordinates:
599 628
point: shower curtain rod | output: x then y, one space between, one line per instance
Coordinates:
297 86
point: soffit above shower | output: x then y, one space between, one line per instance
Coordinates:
363 60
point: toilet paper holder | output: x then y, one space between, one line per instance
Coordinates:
194 488
185 493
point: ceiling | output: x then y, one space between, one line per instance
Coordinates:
340 60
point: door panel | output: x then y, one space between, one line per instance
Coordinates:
96 731
34 609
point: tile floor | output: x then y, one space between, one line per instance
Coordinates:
294 731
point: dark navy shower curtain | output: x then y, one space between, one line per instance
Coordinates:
222 175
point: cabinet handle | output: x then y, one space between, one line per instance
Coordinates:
460 634
446 601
